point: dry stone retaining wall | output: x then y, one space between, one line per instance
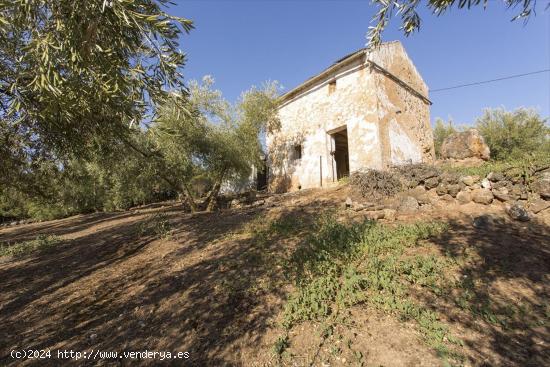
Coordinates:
410 188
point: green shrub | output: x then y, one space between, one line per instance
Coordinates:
156 225
440 132
281 345
512 135
40 243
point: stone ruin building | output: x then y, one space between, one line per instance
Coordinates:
370 109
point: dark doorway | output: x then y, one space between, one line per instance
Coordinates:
261 176
340 152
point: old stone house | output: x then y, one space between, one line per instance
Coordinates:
369 109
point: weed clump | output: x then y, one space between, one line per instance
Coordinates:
380 184
157 225
342 265
40 243
412 175
376 184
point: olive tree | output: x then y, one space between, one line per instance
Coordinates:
407 10
212 136
514 134
75 76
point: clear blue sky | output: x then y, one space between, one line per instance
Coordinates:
243 43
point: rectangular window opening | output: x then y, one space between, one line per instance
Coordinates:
332 86
298 152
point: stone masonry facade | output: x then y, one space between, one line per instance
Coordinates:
368 110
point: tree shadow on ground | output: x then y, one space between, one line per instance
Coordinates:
82 222
114 289
63 226
503 291
212 289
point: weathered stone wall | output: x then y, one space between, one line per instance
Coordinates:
410 188
404 118
306 120
365 103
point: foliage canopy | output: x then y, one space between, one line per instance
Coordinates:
510 135
514 134
201 139
215 138
411 21
75 75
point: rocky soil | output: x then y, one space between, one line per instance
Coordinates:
214 287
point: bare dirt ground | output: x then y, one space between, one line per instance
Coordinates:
207 289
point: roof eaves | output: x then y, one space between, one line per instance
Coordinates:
314 79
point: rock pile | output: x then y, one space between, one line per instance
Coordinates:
376 184
521 200
423 187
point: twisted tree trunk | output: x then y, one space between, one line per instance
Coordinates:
189 198
212 197
184 188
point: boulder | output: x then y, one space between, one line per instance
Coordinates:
408 205
539 205
448 198
449 178
502 194
517 212
419 193
389 214
431 182
466 144
482 196
486 184
468 180
501 184
463 197
453 190
542 185
441 189
495 177
349 203
519 192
